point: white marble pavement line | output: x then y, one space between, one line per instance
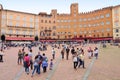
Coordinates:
18 75
86 75
51 73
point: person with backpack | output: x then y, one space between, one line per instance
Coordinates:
40 62
26 63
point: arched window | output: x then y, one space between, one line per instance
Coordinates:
102 35
108 34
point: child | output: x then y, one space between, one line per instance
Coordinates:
51 64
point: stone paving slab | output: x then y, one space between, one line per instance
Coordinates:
107 67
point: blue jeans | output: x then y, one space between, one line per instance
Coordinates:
26 67
35 69
38 69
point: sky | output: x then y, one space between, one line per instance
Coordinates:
62 6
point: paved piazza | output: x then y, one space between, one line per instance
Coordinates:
106 67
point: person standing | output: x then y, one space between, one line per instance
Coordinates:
26 63
75 61
73 51
44 65
1 55
51 64
30 54
20 57
96 52
62 53
36 65
67 52
82 62
44 58
53 53
40 62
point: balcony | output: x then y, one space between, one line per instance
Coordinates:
48 30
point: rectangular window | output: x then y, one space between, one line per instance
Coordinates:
10 31
31 19
107 15
102 30
80 25
102 23
24 25
116 11
31 25
75 26
93 18
116 23
17 24
108 29
75 33
3 31
80 19
74 20
97 17
18 18
98 24
10 23
85 32
108 22
81 32
10 16
3 22
58 20
37 20
85 25
84 19
3 16
36 25
89 19
24 19
89 25
102 16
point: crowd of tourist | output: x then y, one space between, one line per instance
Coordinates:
40 63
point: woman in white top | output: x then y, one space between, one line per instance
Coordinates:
75 60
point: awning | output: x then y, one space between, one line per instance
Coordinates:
19 38
100 39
